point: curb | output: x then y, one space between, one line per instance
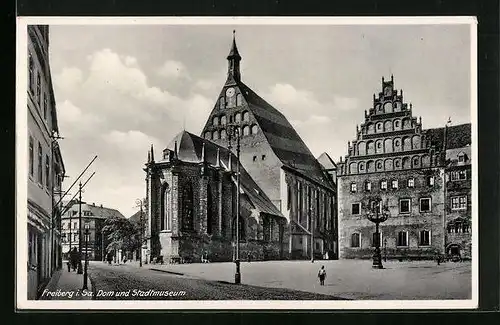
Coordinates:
166 271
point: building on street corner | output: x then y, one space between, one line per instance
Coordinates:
423 175
93 215
45 166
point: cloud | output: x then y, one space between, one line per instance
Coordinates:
69 79
172 69
73 122
130 140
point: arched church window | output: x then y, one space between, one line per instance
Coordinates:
208 135
254 129
237 117
387 126
223 120
239 100
406 163
406 143
223 134
187 208
165 215
210 213
370 150
215 135
388 145
246 117
246 130
215 121
222 102
397 125
241 228
388 107
416 162
379 127
371 128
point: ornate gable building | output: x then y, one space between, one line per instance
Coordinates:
279 161
393 158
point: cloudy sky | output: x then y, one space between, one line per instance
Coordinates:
120 89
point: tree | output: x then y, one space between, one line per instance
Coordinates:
122 234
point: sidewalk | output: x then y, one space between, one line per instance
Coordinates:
350 279
66 285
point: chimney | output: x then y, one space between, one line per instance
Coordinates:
93 204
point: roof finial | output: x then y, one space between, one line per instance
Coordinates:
149 156
152 153
175 150
203 152
392 77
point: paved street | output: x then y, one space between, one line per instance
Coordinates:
349 279
129 279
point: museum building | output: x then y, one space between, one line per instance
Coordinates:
421 175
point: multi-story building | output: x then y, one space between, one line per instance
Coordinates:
92 215
45 166
393 158
279 161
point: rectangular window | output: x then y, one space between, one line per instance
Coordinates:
383 185
425 238
40 163
394 184
425 205
404 206
355 240
31 157
355 208
368 186
411 183
45 107
459 202
354 188
430 181
402 238
74 213
47 171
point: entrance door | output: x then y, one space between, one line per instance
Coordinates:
39 259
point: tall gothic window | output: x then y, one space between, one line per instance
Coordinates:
210 214
238 100
187 208
165 221
318 221
300 201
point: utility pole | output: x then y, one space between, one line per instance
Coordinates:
311 217
80 270
236 130
141 229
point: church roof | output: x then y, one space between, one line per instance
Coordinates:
326 161
282 137
458 136
190 148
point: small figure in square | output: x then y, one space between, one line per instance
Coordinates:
322 275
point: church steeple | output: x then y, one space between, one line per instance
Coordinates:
233 60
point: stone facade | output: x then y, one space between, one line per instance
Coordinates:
278 160
192 196
394 159
45 167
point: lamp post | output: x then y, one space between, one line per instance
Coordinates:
79 270
85 274
377 214
385 249
234 130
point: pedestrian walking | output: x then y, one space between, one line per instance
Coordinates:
322 275
74 258
109 257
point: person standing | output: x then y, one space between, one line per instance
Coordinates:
322 275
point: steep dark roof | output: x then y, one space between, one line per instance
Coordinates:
98 211
458 136
189 149
136 217
282 136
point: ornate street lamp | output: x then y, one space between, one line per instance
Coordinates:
377 213
85 274
234 130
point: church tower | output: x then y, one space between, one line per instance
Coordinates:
275 156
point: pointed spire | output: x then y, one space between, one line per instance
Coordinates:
152 154
234 59
217 162
149 156
392 78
